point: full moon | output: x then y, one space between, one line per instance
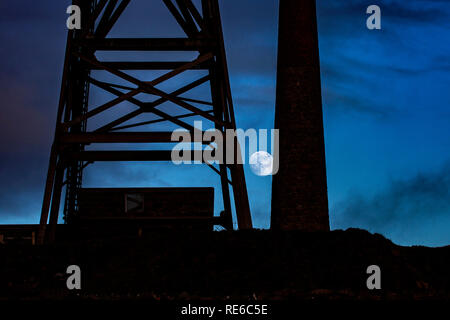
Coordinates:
261 163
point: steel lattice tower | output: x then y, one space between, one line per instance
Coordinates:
68 156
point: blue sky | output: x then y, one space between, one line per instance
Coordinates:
385 95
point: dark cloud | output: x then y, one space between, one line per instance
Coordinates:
22 11
344 17
435 66
402 207
22 184
345 88
354 58
342 102
23 125
411 12
108 174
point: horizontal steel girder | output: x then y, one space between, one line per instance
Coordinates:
147 44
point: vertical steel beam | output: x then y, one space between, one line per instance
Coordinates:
219 105
56 200
240 194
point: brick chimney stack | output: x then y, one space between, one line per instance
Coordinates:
299 191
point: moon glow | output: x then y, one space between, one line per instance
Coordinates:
261 163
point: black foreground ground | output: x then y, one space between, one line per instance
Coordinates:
251 265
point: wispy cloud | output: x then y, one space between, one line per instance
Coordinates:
402 208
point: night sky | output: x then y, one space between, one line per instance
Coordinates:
386 103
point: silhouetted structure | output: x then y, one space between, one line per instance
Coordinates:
299 195
68 155
145 203
148 208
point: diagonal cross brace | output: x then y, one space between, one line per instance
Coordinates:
149 88
136 91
